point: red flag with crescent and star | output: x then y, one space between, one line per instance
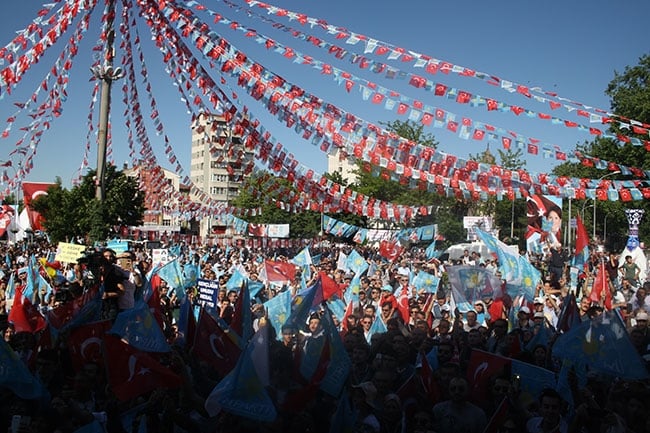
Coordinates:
213 345
132 373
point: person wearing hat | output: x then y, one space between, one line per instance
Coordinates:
523 318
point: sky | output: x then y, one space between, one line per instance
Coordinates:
570 48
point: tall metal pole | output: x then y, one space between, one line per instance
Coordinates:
106 73
598 180
512 220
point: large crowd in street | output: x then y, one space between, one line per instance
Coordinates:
408 373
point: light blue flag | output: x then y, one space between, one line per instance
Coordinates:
337 307
425 281
603 345
541 337
356 263
173 274
338 368
174 251
428 232
191 274
242 392
352 291
302 305
31 283
118 245
140 329
530 276
11 286
431 252
235 281
255 287
184 317
279 310
507 256
15 375
303 258
316 259
533 379
44 287
378 327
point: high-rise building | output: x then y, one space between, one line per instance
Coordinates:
343 165
218 161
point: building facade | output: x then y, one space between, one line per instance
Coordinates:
218 162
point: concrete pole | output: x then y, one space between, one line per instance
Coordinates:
105 72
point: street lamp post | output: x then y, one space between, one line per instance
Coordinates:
598 180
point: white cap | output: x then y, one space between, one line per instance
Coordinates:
641 315
538 314
539 300
524 309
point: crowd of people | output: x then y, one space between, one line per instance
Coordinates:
417 372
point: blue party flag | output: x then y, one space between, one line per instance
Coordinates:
15 375
279 310
242 392
604 345
138 327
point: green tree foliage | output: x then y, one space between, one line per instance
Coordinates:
629 93
77 212
303 224
375 182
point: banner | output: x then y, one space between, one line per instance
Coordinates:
69 253
544 215
31 191
208 291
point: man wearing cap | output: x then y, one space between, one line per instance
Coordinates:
523 318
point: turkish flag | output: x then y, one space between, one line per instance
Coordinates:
279 271
85 343
65 312
389 249
330 287
24 315
482 366
214 345
6 216
132 373
600 292
154 300
403 304
31 191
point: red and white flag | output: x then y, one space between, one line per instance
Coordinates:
132 373
31 191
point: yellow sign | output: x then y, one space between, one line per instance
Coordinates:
69 253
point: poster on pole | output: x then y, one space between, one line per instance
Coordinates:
544 215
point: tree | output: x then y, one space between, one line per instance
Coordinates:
510 215
77 212
629 93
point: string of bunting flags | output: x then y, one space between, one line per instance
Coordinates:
430 64
55 84
243 60
417 111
